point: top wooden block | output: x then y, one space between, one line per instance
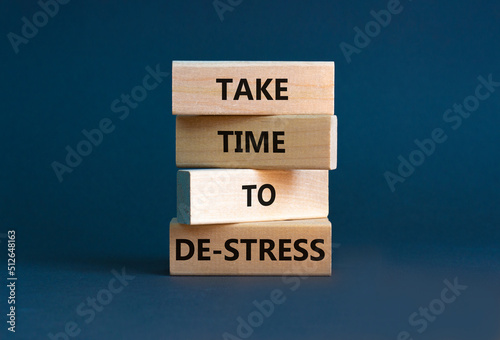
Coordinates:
252 88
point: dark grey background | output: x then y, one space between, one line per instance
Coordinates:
394 249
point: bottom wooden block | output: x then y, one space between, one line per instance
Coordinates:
300 247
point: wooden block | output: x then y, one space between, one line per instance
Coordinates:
259 142
300 247
243 195
252 87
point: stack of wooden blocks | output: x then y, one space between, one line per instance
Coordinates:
268 133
